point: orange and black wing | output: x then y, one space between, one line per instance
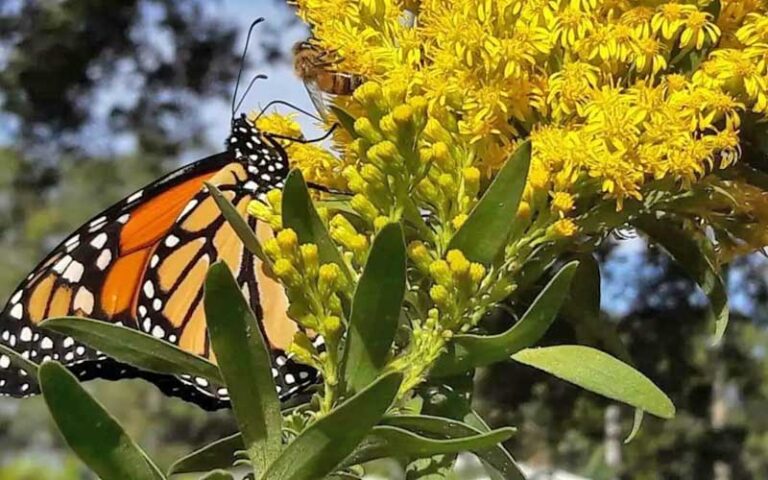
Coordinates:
141 263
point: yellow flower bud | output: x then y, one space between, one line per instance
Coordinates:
388 126
331 326
458 262
258 209
359 244
364 207
272 249
419 105
355 182
471 181
419 255
403 115
565 227
524 210
286 272
384 155
476 273
441 273
459 220
275 199
562 202
368 94
428 190
440 295
442 155
373 175
309 258
288 241
365 129
447 184
435 132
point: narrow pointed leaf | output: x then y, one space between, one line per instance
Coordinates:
245 364
389 441
134 347
321 448
238 223
345 119
300 215
600 373
92 433
19 361
471 351
486 231
376 309
697 258
216 455
498 461
637 422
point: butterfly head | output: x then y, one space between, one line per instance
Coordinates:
265 157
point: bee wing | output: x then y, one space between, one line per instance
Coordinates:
318 98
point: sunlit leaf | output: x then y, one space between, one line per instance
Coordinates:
238 223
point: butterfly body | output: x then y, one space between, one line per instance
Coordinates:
142 264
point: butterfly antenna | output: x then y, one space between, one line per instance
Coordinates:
245 93
289 105
304 140
242 61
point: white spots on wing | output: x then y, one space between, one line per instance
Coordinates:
46 343
172 338
124 218
280 361
251 186
303 375
223 392
253 169
188 208
5 362
99 240
274 373
289 379
17 296
147 325
84 301
142 311
24 387
158 332
171 241
149 289
135 196
6 335
74 239
98 221
157 304
26 334
17 311
80 351
102 262
69 356
74 272
154 261
265 176
68 342
201 381
62 264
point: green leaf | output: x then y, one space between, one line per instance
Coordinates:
637 422
600 373
300 215
470 351
19 361
694 253
218 475
389 441
92 433
134 347
238 223
487 229
322 447
375 309
583 311
345 119
498 461
219 454
245 364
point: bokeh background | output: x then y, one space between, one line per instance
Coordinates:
99 97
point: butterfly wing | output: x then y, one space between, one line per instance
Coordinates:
170 302
94 273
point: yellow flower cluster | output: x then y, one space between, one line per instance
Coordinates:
615 95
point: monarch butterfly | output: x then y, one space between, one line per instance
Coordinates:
142 263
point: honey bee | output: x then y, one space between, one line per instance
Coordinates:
315 67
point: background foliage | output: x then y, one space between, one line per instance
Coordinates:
81 142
